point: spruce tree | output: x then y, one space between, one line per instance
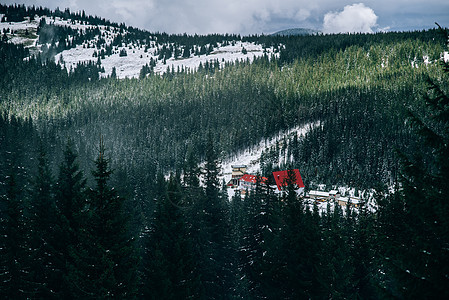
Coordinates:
43 218
13 242
70 198
213 232
171 270
105 262
420 258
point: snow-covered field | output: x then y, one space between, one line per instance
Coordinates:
251 157
131 64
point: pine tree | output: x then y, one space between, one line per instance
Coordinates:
105 263
70 201
364 250
213 231
252 248
43 223
13 242
170 266
295 282
420 260
191 169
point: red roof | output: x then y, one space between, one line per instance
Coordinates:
281 178
252 178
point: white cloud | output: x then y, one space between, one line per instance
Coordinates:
353 18
257 16
302 14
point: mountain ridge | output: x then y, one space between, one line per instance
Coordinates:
296 31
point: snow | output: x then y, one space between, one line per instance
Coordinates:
19 29
319 194
129 66
251 156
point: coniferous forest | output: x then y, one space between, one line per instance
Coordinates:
110 188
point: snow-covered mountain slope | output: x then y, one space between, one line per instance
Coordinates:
251 157
21 32
137 54
131 64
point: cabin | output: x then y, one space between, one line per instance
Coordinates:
318 195
237 172
334 194
343 201
248 182
286 177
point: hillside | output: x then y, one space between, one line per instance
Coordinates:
72 42
116 144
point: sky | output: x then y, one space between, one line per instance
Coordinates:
262 16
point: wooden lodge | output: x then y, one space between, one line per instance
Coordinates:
237 172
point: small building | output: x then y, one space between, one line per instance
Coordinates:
343 201
334 194
318 195
284 178
237 172
248 182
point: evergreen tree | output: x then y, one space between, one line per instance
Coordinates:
252 248
170 266
13 242
420 258
191 169
43 223
213 236
70 201
105 264
364 278
296 271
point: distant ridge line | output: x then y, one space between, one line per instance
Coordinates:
296 31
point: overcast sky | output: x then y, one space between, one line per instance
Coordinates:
262 16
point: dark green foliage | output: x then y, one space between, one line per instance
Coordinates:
171 270
15 245
62 240
418 258
43 221
70 201
105 264
14 241
212 233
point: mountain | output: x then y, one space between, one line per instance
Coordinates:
71 42
296 31
352 112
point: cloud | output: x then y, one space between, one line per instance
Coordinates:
211 16
257 16
353 18
302 14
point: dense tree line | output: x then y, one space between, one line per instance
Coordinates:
68 233
62 239
151 122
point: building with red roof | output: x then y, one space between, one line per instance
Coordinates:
284 178
248 182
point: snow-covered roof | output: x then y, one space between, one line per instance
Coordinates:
318 193
238 166
351 199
